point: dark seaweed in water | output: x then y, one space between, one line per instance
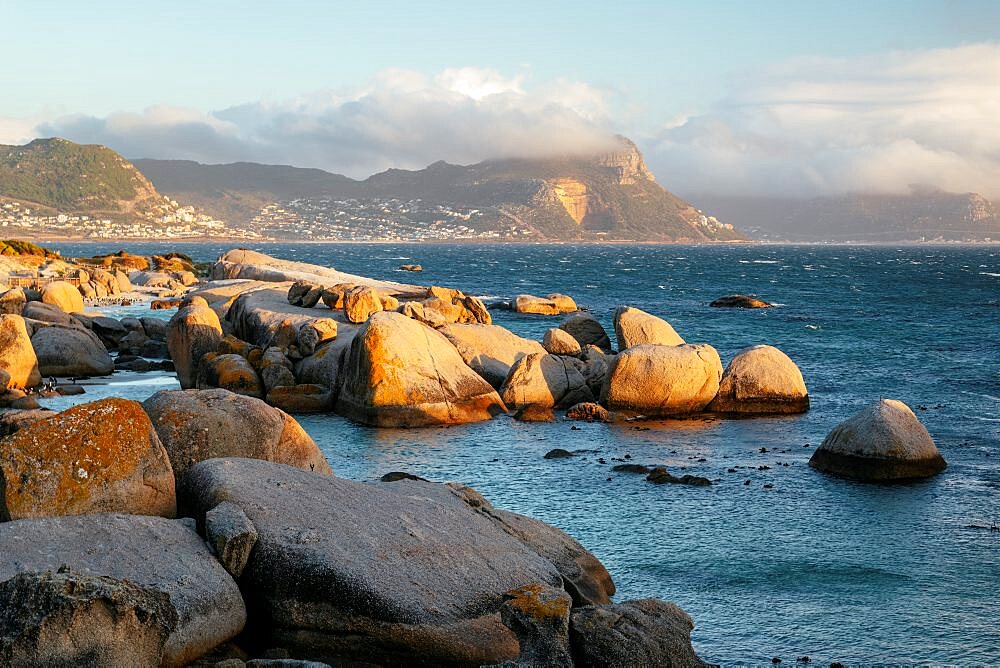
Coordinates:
835 570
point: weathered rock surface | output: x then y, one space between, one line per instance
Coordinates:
761 380
882 443
193 331
329 552
17 356
360 303
126 553
658 380
98 457
154 328
12 301
560 342
554 304
740 301
195 425
48 313
545 381
539 616
647 633
314 333
70 351
301 399
324 366
64 295
14 420
586 329
635 327
231 534
401 373
230 372
489 349
589 412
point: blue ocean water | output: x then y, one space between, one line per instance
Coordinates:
813 566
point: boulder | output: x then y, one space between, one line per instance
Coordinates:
882 443
489 349
560 342
48 313
275 376
115 564
663 380
17 356
300 399
152 279
326 562
588 411
108 330
154 328
595 367
360 303
647 633
740 301
401 373
334 295
761 380
554 304
304 293
545 381
201 424
99 457
70 351
121 278
324 366
64 295
539 616
587 330
229 372
314 333
132 343
193 331
634 327
12 301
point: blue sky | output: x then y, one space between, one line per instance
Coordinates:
232 77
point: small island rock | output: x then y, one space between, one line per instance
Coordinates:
761 380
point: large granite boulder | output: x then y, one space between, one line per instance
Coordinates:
634 327
401 373
545 381
660 380
103 456
587 330
360 303
761 380
88 590
554 304
324 366
301 399
195 425
489 349
230 372
17 356
12 301
193 331
560 342
70 351
646 633
48 313
64 295
396 573
882 443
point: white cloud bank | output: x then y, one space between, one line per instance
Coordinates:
810 126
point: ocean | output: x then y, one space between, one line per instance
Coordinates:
811 566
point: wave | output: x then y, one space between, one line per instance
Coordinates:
989 273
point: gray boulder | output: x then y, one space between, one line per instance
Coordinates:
70 351
586 329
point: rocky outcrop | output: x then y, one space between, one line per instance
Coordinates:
658 380
646 633
104 569
401 373
489 349
761 380
587 330
98 457
193 331
545 381
64 295
560 342
324 366
882 443
70 351
740 301
17 357
553 304
634 327
195 425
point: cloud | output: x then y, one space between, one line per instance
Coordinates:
816 126
398 119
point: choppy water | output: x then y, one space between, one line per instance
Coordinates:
814 566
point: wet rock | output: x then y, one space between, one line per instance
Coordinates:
560 342
588 411
411 267
63 295
761 380
882 443
740 301
70 351
125 553
490 350
400 373
658 380
545 381
301 399
17 356
195 425
636 327
586 329
631 468
192 332
661 475
99 457
558 453
553 304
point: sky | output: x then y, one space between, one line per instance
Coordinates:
729 98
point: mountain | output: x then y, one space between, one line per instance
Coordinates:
61 176
605 197
923 214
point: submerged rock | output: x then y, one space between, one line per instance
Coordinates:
661 475
401 373
882 443
634 327
658 380
761 380
740 301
